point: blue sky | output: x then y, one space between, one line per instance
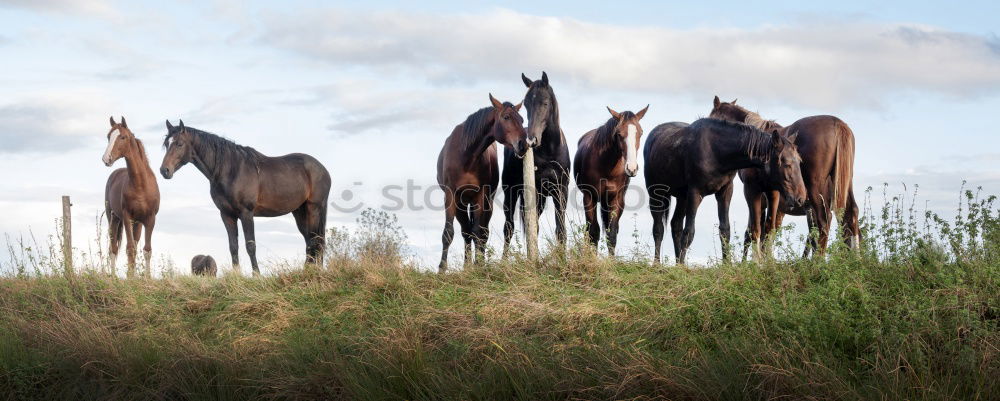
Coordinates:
372 89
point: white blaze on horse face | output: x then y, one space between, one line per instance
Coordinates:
111 145
631 164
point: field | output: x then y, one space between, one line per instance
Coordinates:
913 315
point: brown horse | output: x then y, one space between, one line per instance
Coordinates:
468 173
606 159
131 196
245 183
689 162
826 145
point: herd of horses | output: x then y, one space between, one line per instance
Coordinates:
805 168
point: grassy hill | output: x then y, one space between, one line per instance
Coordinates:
911 318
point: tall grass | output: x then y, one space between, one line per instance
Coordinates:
913 315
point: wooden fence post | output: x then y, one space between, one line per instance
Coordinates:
530 210
67 235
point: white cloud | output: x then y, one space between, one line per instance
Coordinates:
50 124
828 65
101 8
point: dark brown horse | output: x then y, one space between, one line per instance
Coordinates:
468 173
245 183
826 145
551 160
689 162
203 265
131 196
606 159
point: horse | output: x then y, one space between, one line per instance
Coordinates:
826 145
468 172
131 196
245 183
203 265
551 161
604 163
689 162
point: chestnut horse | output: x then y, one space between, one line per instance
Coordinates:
689 162
606 159
827 147
551 161
468 173
245 183
131 196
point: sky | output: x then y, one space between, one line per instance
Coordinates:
372 89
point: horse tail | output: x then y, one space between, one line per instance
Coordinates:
843 177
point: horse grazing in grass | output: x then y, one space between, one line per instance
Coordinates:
826 145
245 183
203 265
131 196
551 161
468 173
689 162
606 159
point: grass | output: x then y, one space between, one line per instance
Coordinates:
914 315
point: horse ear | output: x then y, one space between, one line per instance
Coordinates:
112 118
527 81
169 126
517 108
124 124
641 113
792 137
776 139
716 102
496 103
181 124
545 78
614 114
734 101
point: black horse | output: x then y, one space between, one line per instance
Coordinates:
551 161
245 183
689 162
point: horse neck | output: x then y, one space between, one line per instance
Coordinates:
207 160
606 146
747 148
483 140
760 123
139 173
552 136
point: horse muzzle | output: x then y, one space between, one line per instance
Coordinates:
166 172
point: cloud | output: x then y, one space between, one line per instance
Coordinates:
47 125
100 8
835 64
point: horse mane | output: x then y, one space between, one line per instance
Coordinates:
753 118
221 147
476 124
142 149
754 141
605 135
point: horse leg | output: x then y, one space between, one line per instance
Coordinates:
752 237
852 234
313 229
590 213
658 207
723 198
561 198
246 220
510 194
302 223
147 249
465 224
115 238
693 201
811 238
234 237
481 229
130 241
449 230
772 220
616 205
821 217
677 226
